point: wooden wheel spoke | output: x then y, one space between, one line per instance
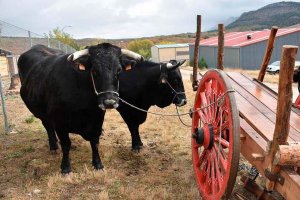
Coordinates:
206 110
221 140
202 116
208 93
202 157
219 179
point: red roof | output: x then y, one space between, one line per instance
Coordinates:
239 39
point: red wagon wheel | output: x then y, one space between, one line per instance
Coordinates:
215 136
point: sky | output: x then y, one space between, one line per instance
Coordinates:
114 19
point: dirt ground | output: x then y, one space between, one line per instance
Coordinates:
162 170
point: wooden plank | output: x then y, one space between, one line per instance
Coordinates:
254 143
266 99
266 111
291 188
255 118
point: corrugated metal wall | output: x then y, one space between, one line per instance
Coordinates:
210 54
246 57
252 55
232 58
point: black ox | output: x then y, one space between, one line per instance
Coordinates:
145 85
66 92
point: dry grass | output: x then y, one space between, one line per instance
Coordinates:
162 170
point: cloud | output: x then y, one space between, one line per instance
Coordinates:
122 19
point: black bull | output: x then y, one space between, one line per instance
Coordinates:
65 92
145 85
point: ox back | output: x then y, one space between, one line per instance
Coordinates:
143 86
66 91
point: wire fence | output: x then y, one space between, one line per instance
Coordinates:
15 40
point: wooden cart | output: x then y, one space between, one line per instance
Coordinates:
236 114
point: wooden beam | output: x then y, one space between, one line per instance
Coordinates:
268 53
220 64
288 155
284 105
196 53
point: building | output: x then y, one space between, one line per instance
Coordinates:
245 50
166 52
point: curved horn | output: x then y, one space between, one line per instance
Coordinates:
77 54
132 54
174 64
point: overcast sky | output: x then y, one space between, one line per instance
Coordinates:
122 18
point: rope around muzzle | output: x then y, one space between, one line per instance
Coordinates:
99 93
221 98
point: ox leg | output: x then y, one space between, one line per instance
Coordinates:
95 153
135 138
65 146
51 136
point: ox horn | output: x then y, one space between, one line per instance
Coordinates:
78 54
132 54
174 64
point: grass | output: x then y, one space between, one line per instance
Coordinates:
29 119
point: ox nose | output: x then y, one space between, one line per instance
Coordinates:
110 103
182 102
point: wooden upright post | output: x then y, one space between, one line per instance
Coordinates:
284 105
220 64
268 53
196 53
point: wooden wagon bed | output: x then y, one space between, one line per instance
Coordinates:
257 109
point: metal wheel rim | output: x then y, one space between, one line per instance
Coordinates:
216 178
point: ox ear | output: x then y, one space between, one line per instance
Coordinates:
80 59
173 64
127 63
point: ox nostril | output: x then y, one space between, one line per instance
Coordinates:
184 101
109 102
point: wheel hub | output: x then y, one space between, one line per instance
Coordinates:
204 136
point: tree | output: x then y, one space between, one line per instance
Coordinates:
142 47
63 37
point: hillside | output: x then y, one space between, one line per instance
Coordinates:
178 38
281 14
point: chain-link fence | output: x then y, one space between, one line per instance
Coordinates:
15 40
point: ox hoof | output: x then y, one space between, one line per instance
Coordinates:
98 166
136 149
66 170
53 152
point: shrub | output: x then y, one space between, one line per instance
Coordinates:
142 47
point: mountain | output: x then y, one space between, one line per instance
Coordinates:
281 14
225 22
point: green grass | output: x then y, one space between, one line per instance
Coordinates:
30 119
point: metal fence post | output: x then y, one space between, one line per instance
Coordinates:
48 40
3 107
30 40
